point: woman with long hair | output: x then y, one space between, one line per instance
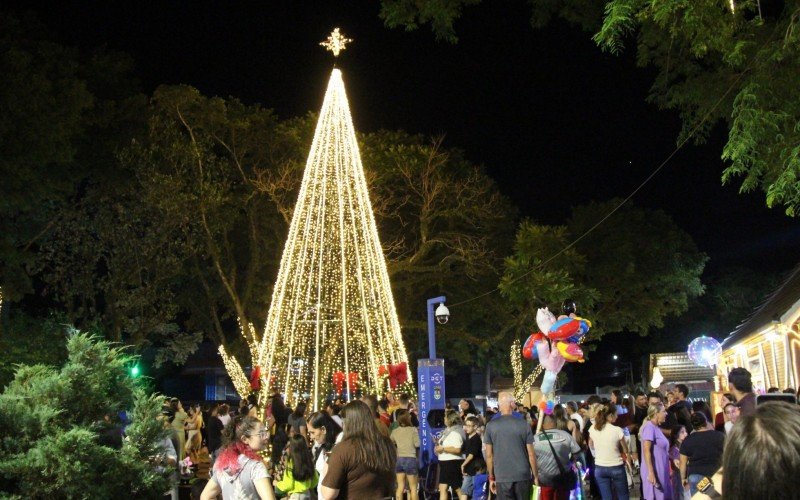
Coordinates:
323 431
194 424
239 473
676 437
179 427
406 438
564 423
299 477
466 408
610 446
362 465
656 484
297 421
449 450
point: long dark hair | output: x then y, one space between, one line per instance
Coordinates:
302 461
560 418
673 437
603 412
322 419
299 410
470 407
372 449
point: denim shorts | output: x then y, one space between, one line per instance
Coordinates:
467 485
407 465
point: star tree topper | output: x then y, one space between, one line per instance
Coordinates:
336 42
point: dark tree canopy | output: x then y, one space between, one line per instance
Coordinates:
628 275
714 64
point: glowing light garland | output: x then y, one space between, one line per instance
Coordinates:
239 379
332 308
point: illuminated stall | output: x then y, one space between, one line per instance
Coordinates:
767 344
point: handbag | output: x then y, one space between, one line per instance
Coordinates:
566 477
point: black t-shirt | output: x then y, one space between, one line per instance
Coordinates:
214 433
704 450
639 414
473 446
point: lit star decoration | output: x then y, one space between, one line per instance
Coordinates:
332 311
336 42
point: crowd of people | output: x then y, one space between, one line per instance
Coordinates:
369 448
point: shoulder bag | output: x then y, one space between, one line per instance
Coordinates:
566 477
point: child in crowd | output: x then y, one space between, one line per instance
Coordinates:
299 476
473 451
480 482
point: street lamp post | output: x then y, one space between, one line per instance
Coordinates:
430 387
432 325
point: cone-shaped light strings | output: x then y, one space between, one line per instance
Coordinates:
332 322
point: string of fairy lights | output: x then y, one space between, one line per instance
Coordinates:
332 315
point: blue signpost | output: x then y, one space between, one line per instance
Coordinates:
430 375
430 387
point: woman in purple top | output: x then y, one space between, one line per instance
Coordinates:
656 483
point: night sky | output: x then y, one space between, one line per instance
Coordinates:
555 121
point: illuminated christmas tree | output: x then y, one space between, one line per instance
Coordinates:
332 325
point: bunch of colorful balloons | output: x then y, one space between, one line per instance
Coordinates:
556 342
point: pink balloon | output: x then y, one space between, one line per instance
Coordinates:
543 350
556 361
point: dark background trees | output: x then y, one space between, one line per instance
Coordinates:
713 62
158 218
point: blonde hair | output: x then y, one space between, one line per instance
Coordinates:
451 418
652 410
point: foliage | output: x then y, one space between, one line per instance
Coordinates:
732 294
741 66
30 340
440 14
50 421
627 275
715 64
530 281
445 229
57 108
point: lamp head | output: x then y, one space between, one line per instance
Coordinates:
442 314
